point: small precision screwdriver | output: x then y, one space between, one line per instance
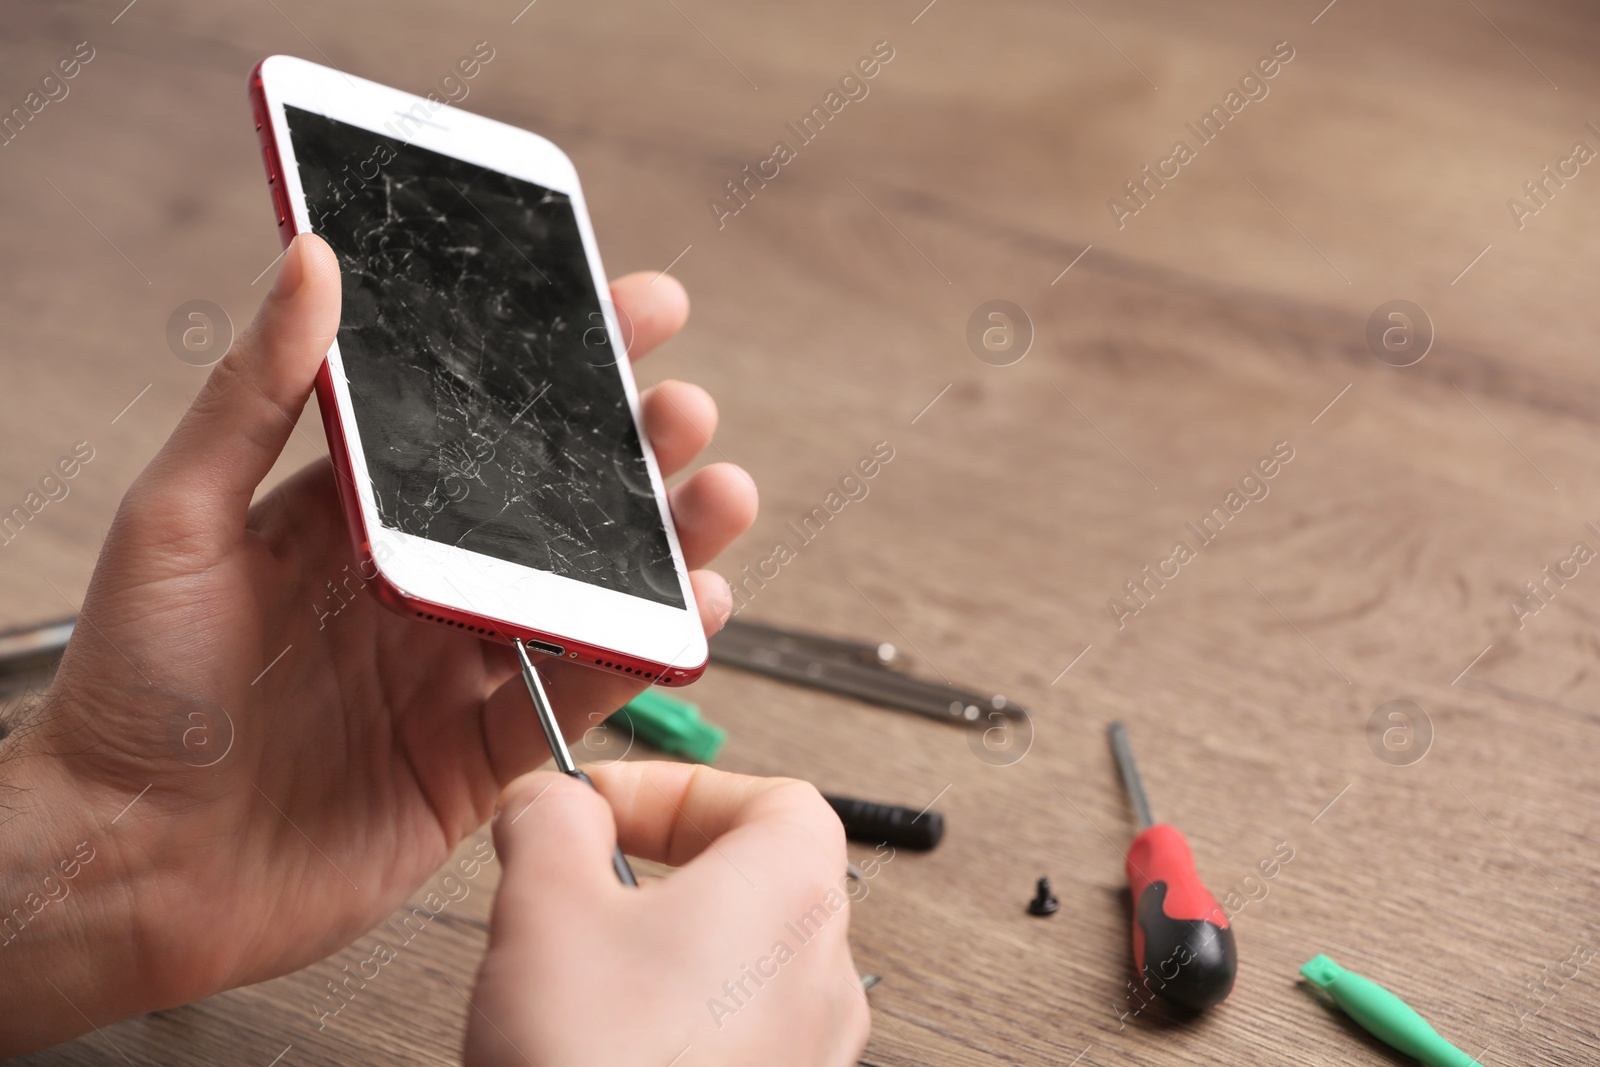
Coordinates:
1182 944
559 751
889 824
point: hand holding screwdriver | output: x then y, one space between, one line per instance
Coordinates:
580 972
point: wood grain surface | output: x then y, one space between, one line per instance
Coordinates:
1185 342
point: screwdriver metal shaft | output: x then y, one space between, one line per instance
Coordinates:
558 748
1123 751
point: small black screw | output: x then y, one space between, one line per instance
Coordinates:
1043 902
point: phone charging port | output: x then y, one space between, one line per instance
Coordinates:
544 646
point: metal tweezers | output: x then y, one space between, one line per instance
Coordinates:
858 669
29 647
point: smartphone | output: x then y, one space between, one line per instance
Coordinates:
480 408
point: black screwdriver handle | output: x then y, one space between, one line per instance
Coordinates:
619 862
872 823
1188 962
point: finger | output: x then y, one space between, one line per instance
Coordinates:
679 419
716 504
651 306
554 837
236 427
671 812
714 599
301 514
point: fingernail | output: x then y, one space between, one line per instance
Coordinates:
722 601
751 479
291 274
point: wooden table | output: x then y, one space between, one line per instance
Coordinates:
1173 348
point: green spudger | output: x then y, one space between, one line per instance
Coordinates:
673 726
1384 1015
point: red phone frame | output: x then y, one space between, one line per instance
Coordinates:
387 592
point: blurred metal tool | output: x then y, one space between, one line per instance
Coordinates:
858 669
30 647
882 654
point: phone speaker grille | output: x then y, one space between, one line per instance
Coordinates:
621 669
458 625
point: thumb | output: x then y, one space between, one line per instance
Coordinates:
237 425
554 837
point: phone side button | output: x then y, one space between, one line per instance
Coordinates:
280 202
272 171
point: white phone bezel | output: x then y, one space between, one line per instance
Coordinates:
494 589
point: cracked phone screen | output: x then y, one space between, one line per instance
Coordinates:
483 378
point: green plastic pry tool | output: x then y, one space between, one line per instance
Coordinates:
1384 1015
673 726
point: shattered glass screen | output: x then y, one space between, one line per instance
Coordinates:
484 383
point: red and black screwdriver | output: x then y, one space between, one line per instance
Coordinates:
1182 945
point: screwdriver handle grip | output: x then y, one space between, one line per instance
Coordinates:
1161 854
1182 944
902 827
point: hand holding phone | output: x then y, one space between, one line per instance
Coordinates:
261 782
